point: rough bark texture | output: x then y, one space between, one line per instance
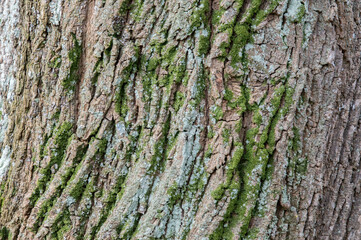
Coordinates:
180 119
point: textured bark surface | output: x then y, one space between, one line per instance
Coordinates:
180 119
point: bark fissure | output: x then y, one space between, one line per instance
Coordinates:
201 119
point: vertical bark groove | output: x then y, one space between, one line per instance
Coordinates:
201 119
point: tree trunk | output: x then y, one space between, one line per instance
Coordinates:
198 119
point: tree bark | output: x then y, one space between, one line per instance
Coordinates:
199 119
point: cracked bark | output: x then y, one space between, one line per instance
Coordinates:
180 119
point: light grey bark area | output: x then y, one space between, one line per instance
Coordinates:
197 119
9 15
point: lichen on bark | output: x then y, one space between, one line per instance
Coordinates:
219 119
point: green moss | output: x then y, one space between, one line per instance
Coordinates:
78 190
301 11
120 19
228 26
157 163
288 100
61 140
240 103
127 229
62 135
56 115
252 234
191 193
208 153
152 64
226 134
223 48
125 6
176 69
228 95
55 63
174 195
158 44
236 211
296 139
44 209
252 10
117 190
231 182
199 18
246 173
238 33
109 204
81 151
2 190
180 73
216 16
204 44
169 54
242 35
97 70
49 203
43 146
210 133
297 163
217 113
108 50
102 147
88 196
179 101
172 141
262 14
200 87
197 183
259 157
277 113
139 8
62 224
258 160
302 165
235 160
131 230
74 55
219 192
133 146
95 78
257 118
147 82
4 234
241 32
